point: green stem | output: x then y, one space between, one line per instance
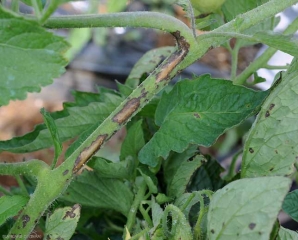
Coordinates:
264 58
145 214
197 228
234 54
36 9
45 193
267 66
3 190
124 19
232 167
15 5
47 12
22 185
140 234
131 218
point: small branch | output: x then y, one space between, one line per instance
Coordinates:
264 58
234 54
131 218
3 190
36 9
31 168
267 66
22 185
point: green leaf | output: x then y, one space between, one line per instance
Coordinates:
285 43
10 206
89 189
286 234
183 175
146 64
78 38
108 169
51 126
246 208
89 108
30 57
207 176
232 8
203 109
62 223
173 162
271 147
290 205
133 142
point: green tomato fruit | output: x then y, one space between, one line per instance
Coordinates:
206 6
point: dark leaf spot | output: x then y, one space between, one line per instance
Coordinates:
267 114
251 150
71 213
212 231
276 151
271 169
196 115
271 106
65 172
252 226
25 220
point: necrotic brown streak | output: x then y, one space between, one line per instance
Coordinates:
88 152
129 108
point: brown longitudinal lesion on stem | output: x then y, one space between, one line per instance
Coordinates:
89 151
174 59
133 104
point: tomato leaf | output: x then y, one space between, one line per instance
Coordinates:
271 147
203 109
10 206
62 223
246 208
290 205
30 57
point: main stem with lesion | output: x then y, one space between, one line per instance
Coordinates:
189 50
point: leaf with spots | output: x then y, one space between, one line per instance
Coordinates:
290 205
272 145
30 57
61 224
203 109
90 189
246 208
10 206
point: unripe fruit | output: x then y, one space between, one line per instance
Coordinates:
207 6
